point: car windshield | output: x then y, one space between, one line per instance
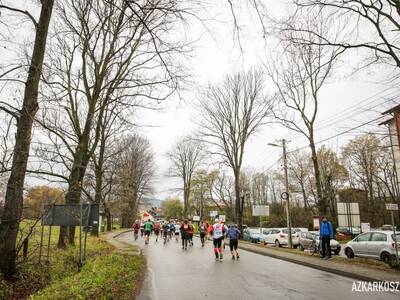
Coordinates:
254 230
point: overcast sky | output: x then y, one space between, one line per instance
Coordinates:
347 101
218 55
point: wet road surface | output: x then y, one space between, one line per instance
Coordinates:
194 274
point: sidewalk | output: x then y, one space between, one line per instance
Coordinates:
121 247
339 266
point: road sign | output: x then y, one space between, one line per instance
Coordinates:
365 227
260 210
316 223
213 213
222 218
348 214
392 206
196 218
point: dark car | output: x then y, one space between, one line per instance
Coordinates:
308 240
344 233
251 235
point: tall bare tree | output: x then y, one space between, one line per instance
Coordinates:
231 114
14 195
134 165
298 75
186 157
117 58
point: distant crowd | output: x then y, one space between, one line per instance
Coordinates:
185 231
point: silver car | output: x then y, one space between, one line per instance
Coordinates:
376 244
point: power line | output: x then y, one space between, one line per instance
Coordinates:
338 134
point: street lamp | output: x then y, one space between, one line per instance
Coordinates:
285 196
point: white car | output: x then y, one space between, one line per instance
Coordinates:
279 237
377 244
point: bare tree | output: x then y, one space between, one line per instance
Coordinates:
14 194
118 58
298 75
300 171
186 156
371 25
231 113
134 172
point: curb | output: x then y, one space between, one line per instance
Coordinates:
314 266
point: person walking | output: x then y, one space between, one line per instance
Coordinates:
185 229
326 234
218 231
203 232
233 235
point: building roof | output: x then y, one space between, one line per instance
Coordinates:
392 110
385 122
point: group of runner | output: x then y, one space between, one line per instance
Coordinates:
185 230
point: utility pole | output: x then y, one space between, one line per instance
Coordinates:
285 195
289 225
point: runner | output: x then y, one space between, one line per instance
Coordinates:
177 230
233 235
185 228
218 231
165 232
147 230
191 233
156 229
209 229
136 228
203 232
171 229
141 230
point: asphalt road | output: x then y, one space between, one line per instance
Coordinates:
194 274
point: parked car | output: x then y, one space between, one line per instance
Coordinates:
251 234
344 233
279 237
377 244
386 227
296 234
306 239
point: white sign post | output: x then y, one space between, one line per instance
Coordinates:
394 207
213 213
196 218
365 227
348 215
260 211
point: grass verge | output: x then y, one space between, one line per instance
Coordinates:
107 274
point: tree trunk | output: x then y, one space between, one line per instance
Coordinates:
14 195
75 181
238 201
320 198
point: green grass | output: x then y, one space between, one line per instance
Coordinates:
62 270
114 276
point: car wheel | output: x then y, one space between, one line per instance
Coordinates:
301 248
277 244
336 252
349 253
295 246
385 257
265 244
